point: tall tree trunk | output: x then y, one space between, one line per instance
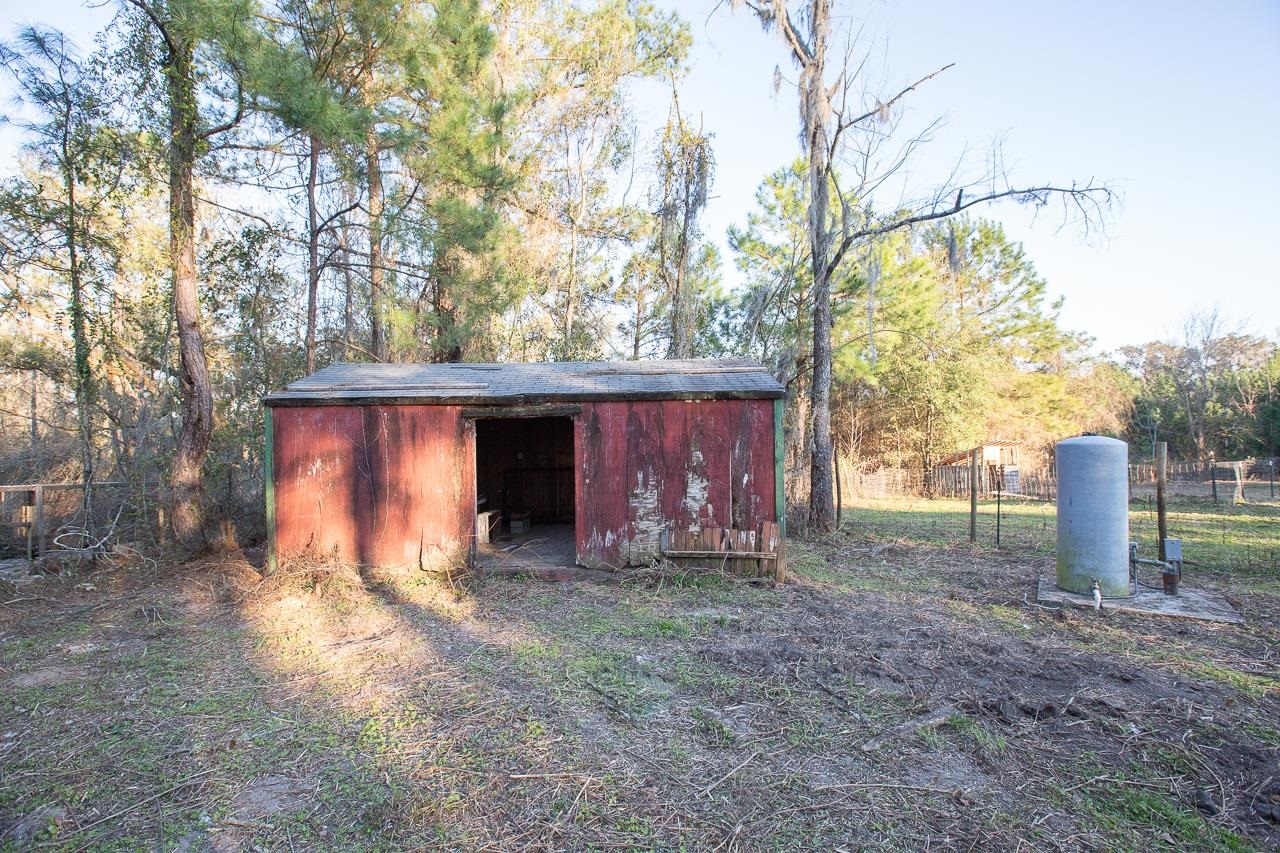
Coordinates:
35 424
680 347
377 331
196 396
635 338
567 347
348 305
349 295
816 108
79 339
313 252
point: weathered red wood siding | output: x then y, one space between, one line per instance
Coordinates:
647 466
383 486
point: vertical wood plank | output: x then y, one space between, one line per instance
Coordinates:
745 540
768 545
604 480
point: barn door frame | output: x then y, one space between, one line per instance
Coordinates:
470 414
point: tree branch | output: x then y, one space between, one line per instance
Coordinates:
159 24
881 107
1038 195
234 120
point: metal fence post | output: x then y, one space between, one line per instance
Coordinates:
1162 476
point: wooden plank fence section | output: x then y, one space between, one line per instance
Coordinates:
740 552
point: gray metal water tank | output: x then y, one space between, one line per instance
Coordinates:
1093 515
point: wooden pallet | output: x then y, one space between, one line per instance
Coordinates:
744 553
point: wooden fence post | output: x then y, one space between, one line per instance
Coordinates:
973 495
39 522
30 518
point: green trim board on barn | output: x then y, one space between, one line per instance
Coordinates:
269 492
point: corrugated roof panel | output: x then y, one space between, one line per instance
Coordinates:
710 378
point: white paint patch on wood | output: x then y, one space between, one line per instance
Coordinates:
645 544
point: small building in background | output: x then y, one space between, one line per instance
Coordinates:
594 464
996 459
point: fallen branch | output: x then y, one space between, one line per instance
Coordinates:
892 786
840 702
934 718
564 775
716 784
178 787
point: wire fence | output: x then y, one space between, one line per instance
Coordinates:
1216 537
40 518
51 519
1238 481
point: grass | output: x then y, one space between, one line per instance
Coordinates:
1150 819
677 713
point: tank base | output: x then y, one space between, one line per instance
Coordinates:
1082 585
1187 604
1089 592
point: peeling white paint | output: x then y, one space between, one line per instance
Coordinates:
646 543
597 544
696 489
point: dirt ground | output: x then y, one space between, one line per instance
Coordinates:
888 697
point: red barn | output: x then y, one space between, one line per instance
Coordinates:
598 464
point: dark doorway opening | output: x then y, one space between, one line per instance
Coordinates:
525 493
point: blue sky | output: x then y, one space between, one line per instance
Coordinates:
1178 104
1175 103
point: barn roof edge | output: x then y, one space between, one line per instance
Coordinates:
526 383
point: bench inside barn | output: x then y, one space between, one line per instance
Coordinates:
743 553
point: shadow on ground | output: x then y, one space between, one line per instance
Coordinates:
889 696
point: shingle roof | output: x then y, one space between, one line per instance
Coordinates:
520 383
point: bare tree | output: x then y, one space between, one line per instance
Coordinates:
685 168
846 131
